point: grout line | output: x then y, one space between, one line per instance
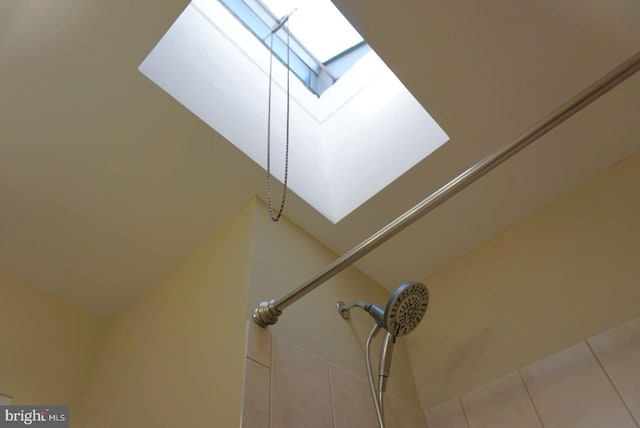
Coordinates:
464 412
526 388
624 403
333 403
271 375
257 362
269 401
243 401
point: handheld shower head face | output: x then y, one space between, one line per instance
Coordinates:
406 308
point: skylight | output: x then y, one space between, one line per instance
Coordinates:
323 45
347 145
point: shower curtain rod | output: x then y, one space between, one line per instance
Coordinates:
267 312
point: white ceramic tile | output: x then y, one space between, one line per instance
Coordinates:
255 404
447 415
258 344
619 352
503 403
400 414
300 392
5 400
570 389
352 403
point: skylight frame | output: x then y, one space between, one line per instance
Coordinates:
316 75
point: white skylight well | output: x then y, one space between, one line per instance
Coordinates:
360 135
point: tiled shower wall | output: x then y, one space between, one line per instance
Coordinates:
289 387
595 383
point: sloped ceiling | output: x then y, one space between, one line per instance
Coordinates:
107 182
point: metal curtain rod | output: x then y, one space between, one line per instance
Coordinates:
267 312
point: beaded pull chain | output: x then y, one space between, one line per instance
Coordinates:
275 217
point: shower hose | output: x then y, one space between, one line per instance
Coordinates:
377 399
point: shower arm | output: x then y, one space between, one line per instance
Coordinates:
344 308
268 311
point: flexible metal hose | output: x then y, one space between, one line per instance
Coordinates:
367 356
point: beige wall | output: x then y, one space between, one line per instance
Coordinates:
48 346
283 257
175 357
564 274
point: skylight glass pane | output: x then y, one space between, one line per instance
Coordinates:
319 26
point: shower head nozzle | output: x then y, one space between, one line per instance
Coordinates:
406 308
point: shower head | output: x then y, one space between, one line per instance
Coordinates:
404 310
402 314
